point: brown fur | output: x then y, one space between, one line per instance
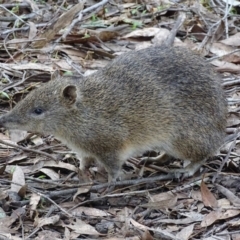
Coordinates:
156 98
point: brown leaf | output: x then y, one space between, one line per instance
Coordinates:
81 190
19 178
186 232
210 218
68 166
235 236
22 191
164 204
81 227
146 235
219 214
233 2
233 40
34 200
103 35
221 49
33 5
2 169
223 66
233 119
231 197
146 32
226 52
208 198
17 135
48 234
32 30
3 137
47 221
144 228
62 22
50 173
89 211
198 31
28 66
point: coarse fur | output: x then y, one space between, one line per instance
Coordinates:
157 98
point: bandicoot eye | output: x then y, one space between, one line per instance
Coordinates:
38 111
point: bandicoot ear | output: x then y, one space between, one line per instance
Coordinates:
70 94
55 75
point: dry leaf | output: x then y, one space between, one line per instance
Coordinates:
223 66
163 204
233 120
49 235
28 66
103 35
213 216
37 140
67 234
47 221
231 197
146 235
50 173
54 28
233 40
232 2
208 198
81 190
32 30
219 31
19 178
68 166
186 232
34 200
144 228
17 135
33 5
226 52
82 228
142 45
192 217
3 137
145 32
235 236
89 211
10 168
221 49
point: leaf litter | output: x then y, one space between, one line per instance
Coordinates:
42 195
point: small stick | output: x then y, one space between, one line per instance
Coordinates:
170 39
28 149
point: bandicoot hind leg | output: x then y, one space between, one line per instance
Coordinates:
163 158
186 172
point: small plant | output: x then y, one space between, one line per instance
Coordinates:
86 35
134 11
206 4
42 177
161 8
94 18
68 73
13 168
233 11
136 24
4 95
15 9
40 1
